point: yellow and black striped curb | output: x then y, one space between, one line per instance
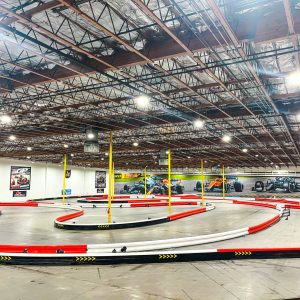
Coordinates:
85 258
243 253
103 226
167 256
5 258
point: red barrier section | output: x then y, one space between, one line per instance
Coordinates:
292 206
254 204
277 200
186 213
190 197
149 204
263 225
70 216
43 248
105 197
19 204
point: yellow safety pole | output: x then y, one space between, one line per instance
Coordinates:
110 166
202 182
113 181
145 182
223 180
64 180
169 180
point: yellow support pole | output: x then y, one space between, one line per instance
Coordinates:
113 181
145 182
64 180
223 180
110 183
202 182
169 182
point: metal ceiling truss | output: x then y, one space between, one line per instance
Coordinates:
66 66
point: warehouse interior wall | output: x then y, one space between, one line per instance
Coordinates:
47 179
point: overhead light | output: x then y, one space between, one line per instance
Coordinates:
106 153
293 80
90 135
256 155
28 157
245 150
272 163
198 123
72 154
226 138
66 146
102 158
5 119
12 137
135 144
29 148
205 161
142 101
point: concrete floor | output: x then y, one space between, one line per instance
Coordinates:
247 279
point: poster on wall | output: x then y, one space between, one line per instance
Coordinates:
66 192
100 179
19 193
68 173
20 178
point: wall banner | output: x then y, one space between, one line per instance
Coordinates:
19 193
100 179
20 178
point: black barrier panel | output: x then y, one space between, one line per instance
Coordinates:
112 225
146 258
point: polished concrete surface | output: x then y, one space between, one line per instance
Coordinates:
35 224
246 279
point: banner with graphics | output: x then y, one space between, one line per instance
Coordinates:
100 179
20 178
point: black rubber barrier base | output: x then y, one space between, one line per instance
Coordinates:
111 225
146 258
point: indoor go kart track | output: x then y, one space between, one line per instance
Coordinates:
188 227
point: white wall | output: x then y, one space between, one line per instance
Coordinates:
47 179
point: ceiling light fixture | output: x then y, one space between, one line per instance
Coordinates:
29 148
226 138
106 154
245 150
198 124
135 144
293 79
12 138
66 146
90 135
142 101
5 119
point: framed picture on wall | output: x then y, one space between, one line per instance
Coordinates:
100 179
68 173
20 178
